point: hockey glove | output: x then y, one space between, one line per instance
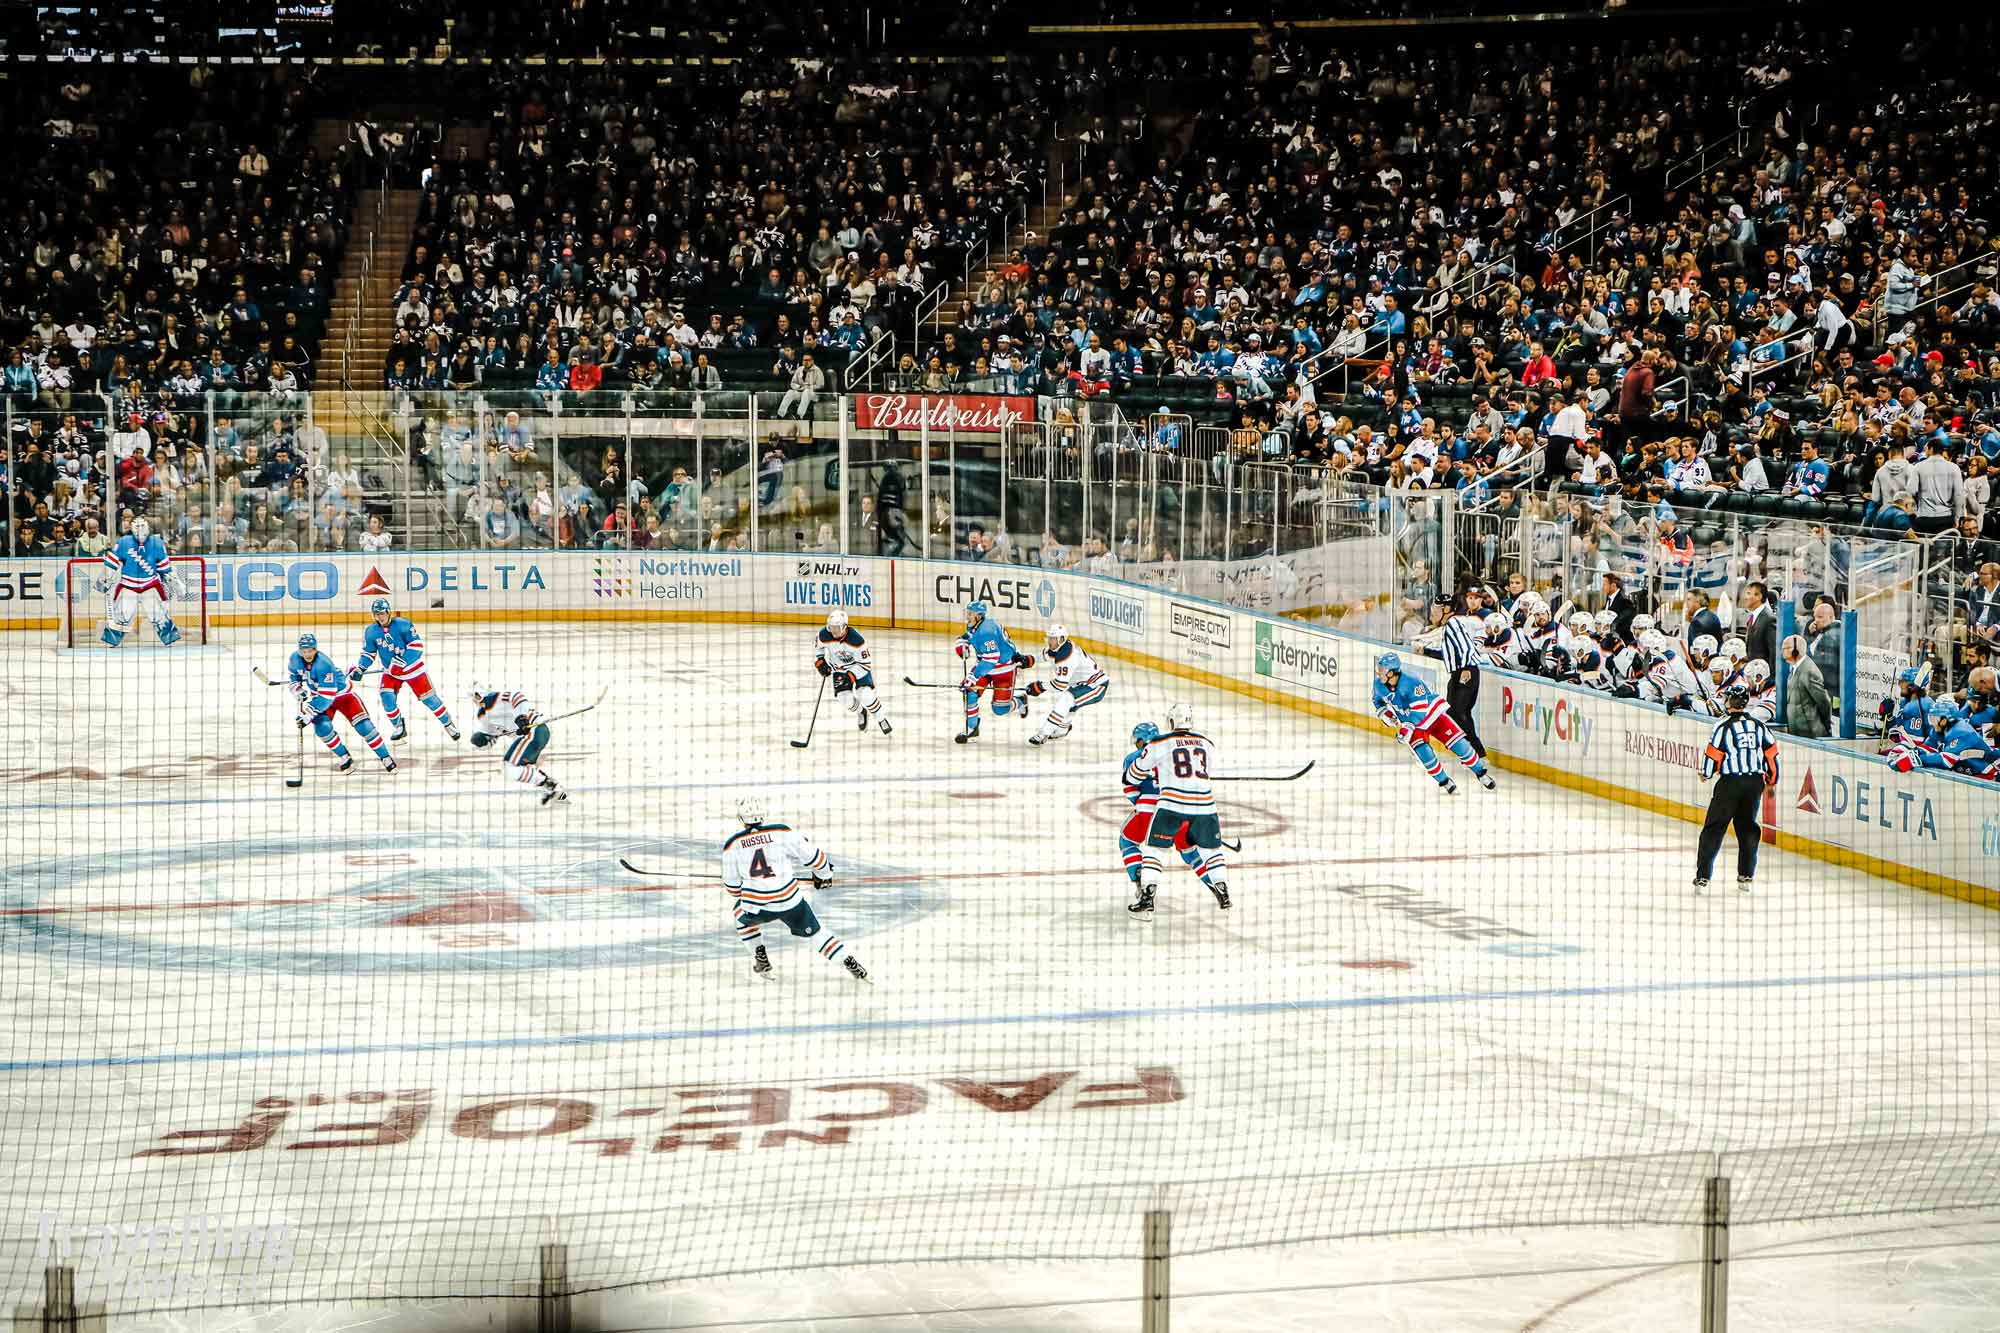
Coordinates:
354 673
821 884
480 740
522 726
819 664
1677 703
1034 688
103 585
1024 660
1625 692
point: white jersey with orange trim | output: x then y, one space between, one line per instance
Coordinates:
1181 762
766 867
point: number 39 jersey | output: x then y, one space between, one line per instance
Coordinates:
1180 762
766 867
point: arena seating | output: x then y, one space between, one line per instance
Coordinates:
149 272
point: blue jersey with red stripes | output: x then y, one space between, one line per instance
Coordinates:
1141 787
1407 703
992 651
398 647
137 564
323 682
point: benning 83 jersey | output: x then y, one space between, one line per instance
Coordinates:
1181 761
766 867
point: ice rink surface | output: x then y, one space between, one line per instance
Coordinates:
430 1024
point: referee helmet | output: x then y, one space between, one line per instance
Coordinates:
1736 698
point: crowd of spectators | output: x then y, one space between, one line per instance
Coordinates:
165 275
683 239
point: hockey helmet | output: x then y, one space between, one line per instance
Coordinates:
1145 733
1702 648
1583 623
141 528
380 607
1057 635
974 613
308 643
836 620
1736 698
1496 626
1387 665
1180 716
751 811
1642 624
1654 642
1734 649
1756 673
1607 621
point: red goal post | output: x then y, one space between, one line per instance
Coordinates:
85 609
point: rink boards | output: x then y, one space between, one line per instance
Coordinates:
1937 832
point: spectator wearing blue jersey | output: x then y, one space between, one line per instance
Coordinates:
1809 475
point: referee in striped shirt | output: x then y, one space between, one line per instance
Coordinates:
1742 750
1462 659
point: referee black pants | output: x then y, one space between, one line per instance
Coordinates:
1460 700
1734 801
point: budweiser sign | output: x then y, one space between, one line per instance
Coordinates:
966 413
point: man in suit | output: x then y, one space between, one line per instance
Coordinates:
1700 619
1760 625
1808 706
1620 604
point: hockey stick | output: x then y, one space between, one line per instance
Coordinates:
1259 777
930 684
585 709
817 701
644 874
298 777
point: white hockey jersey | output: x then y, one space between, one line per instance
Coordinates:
501 712
1181 762
766 867
1070 666
847 655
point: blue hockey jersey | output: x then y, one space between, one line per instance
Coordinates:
134 563
991 649
1407 703
317 685
399 647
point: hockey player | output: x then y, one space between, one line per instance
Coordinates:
322 692
1667 677
394 641
1951 744
1076 682
1143 791
1504 645
764 869
508 714
1419 717
843 657
1586 658
990 661
1908 721
1180 763
1716 680
1621 659
1763 691
136 569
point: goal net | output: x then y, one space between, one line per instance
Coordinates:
85 609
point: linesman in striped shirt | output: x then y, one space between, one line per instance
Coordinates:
1742 751
1463 658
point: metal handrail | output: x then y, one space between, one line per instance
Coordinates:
1756 368
1589 221
861 368
1697 163
1660 390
